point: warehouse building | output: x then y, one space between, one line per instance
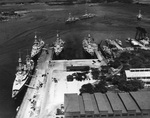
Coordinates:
109 105
139 73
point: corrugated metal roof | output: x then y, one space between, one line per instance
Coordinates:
96 111
101 102
71 103
110 102
115 102
129 102
142 99
81 105
87 102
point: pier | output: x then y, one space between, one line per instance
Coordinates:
32 102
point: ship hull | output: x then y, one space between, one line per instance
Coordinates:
88 55
36 55
69 22
26 79
18 90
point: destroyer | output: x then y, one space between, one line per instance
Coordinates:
37 46
58 45
22 75
89 45
71 19
87 15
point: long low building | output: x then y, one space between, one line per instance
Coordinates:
109 105
139 73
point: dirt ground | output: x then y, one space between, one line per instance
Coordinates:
112 21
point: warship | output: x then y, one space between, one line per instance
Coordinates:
87 15
22 75
89 45
71 19
58 45
37 46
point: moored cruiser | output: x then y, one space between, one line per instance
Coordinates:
58 45
89 45
22 75
37 46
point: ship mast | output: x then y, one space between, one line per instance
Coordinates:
139 16
20 61
57 35
35 38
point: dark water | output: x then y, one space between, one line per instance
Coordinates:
7 104
9 57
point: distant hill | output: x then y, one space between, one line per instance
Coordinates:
29 1
16 1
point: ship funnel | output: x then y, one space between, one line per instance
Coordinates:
57 35
19 60
35 37
89 36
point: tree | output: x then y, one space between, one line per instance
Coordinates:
115 64
132 85
69 78
136 62
87 88
101 87
95 73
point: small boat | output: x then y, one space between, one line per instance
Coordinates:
139 16
22 75
37 46
89 45
87 15
71 19
58 45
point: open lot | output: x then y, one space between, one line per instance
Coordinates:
112 21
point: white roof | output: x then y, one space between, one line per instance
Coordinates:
137 73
